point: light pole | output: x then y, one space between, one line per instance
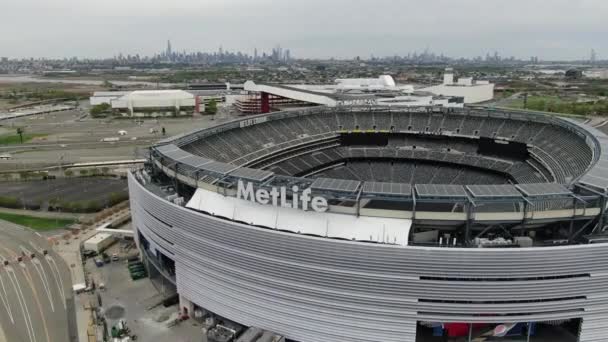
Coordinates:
60 163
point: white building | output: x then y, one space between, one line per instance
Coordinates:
472 91
154 103
99 242
338 95
596 73
100 97
422 99
384 82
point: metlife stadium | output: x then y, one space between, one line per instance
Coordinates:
383 224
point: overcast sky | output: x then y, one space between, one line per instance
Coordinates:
550 29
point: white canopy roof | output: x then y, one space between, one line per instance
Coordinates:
342 226
155 94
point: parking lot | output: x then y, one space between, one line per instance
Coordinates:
72 136
44 192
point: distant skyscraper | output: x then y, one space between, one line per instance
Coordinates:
255 54
169 50
593 57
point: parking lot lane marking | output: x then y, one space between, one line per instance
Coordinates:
42 276
5 302
24 310
38 266
28 278
58 275
20 297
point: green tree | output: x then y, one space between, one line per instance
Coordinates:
10 202
20 131
92 206
68 173
100 110
211 107
117 197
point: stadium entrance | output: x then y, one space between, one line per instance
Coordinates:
551 331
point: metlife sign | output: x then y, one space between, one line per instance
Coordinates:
277 196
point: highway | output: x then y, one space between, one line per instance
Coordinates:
76 145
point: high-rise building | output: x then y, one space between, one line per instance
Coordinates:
169 51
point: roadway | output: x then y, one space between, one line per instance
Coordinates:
72 137
36 300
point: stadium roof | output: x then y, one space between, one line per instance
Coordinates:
391 189
166 94
195 161
252 174
543 189
441 190
329 184
493 191
332 225
334 96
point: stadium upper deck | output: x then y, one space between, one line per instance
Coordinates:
549 168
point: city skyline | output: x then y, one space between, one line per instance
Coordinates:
281 54
565 30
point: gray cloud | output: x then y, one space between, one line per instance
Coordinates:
311 28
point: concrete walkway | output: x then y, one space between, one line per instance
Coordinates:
70 251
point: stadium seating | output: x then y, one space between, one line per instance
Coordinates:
557 154
406 172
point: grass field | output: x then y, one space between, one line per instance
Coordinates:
36 223
13 139
555 104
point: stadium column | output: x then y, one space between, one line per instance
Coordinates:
197 104
265 105
186 307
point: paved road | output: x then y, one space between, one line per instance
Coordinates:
36 301
78 145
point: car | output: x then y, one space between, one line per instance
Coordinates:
106 258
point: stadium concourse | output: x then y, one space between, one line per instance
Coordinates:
383 224
36 300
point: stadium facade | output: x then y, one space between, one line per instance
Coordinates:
421 216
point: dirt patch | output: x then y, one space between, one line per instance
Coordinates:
115 312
